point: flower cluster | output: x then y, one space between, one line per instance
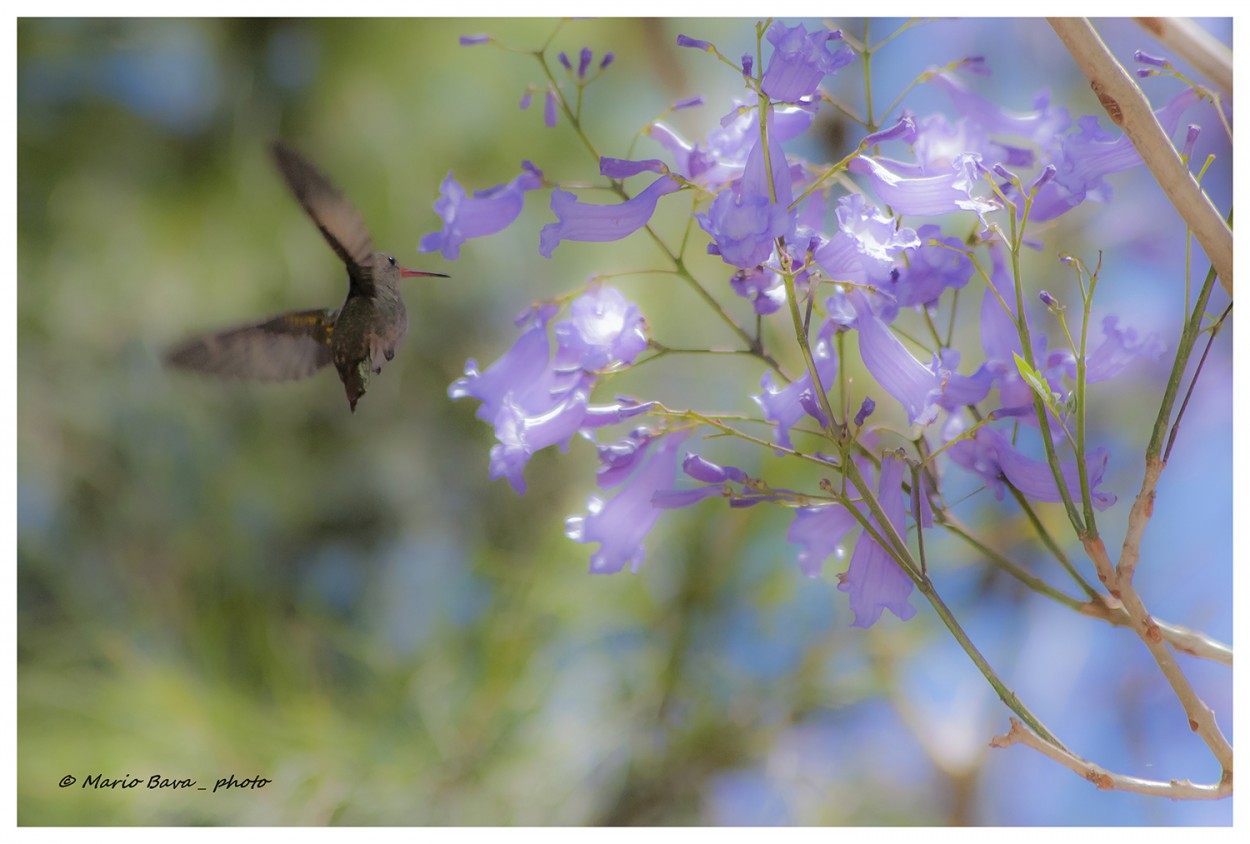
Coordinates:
916 228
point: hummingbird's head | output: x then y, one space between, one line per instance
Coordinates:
385 266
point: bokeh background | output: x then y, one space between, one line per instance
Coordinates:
222 578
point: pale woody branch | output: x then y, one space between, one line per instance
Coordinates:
1129 109
1106 780
1182 639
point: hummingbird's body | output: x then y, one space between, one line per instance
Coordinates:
358 338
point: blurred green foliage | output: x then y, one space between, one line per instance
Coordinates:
220 578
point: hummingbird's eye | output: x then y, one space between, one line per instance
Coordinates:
391 259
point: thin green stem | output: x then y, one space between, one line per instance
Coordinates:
1018 572
926 588
1184 348
1050 543
1026 346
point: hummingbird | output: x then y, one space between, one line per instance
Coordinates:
358 337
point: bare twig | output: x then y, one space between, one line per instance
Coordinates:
1129 109
1201 717
1106 780
1196 46
1182 639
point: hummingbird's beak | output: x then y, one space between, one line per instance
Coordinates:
404 272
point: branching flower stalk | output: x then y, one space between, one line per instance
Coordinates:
843 268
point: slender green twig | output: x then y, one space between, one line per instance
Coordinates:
1051 545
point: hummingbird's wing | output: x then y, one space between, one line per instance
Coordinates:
339 222
284 348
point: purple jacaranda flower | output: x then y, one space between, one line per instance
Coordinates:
486 212
702 469
904 129
695 43
521 433
621 523
583 62
1083 158
550 110
820 531
1146 58
621 168
784 405
563 58
536 399
991 455
874 579
748 64
801 60
1191 138
600 223
865 410
525 101
976 65
1048 300
688 102
1039 126
931 269
744 219
719 482
937 144
717 479
608 58
1043 178
960 390
722 156
876 236
520 365
1119 349
920 389
908 190
760 286
471 40
604 328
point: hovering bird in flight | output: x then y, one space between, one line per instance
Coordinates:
358 337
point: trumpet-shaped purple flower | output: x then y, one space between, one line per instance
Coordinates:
722 156
920 389
550 112
801 60
486 212
1039 127
535 399
992 456
908 189
873 578
820 531
876 236
717 479
865 410
1119 348
603 328
864 248
760 286
785 405
620 524
938 143
744 220
931 269
719 482
600 223
1083 158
